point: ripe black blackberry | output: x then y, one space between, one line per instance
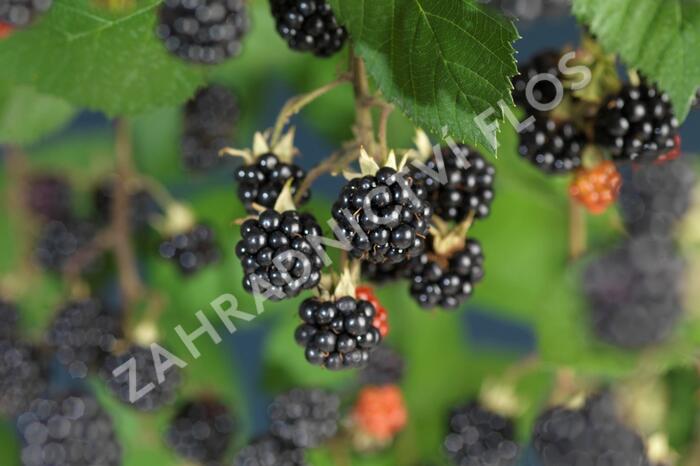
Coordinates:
201 431
162 393
383 219
23 376
337 334
68 431
655 198
637 124
478 436
309 26
304 418
384 273
262 182
385 367
277 255
448 284
9 320
82 334
590 435
634 292
203 31
58 241
469 187
268 450
49 197
544 91
552 147
20 13
192 250
141 205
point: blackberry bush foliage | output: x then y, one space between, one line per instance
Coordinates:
304 418
191 250
203 31
309 26
268 450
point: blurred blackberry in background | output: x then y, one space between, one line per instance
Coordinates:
209 121
655 198
282 237
638 124
304 418
552 147
82 334
385 367
268 450
529 10
478 436
141 205
203 31
49 197
162 393
337 334
469 186
59 241
544 91
380 274
309 26
192 250
201 431
262 182
20 13
23 376
634 292
68 431
9 320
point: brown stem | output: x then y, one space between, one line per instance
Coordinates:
336 162
102 242
577 230
364 126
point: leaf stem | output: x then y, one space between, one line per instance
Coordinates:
336 162
364 125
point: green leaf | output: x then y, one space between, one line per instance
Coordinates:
96 59
659 37
444 62
26 115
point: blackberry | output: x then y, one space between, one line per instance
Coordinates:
192 250
203 31
72 430
23 376
337 334
383 220
552 147
544 92
20 13
82 334
59 241
201 431
656 197
268 450
448 285
380 274
469 187
309 26
262 182
162 393
275 251
141 205
9 320
385 367
49 197
304 418
634 292
478 436
637 124
590 435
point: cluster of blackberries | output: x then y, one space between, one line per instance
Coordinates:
191 250
386 272
637 124
309 26
590 435
385 367
23 376
141 205
382 218
478 436
201 431
203 31
337 334
268 450
544 91
68 431
468 188
278 254
140 359
58 241
262 182
82 334
448 284
209 121
19 13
